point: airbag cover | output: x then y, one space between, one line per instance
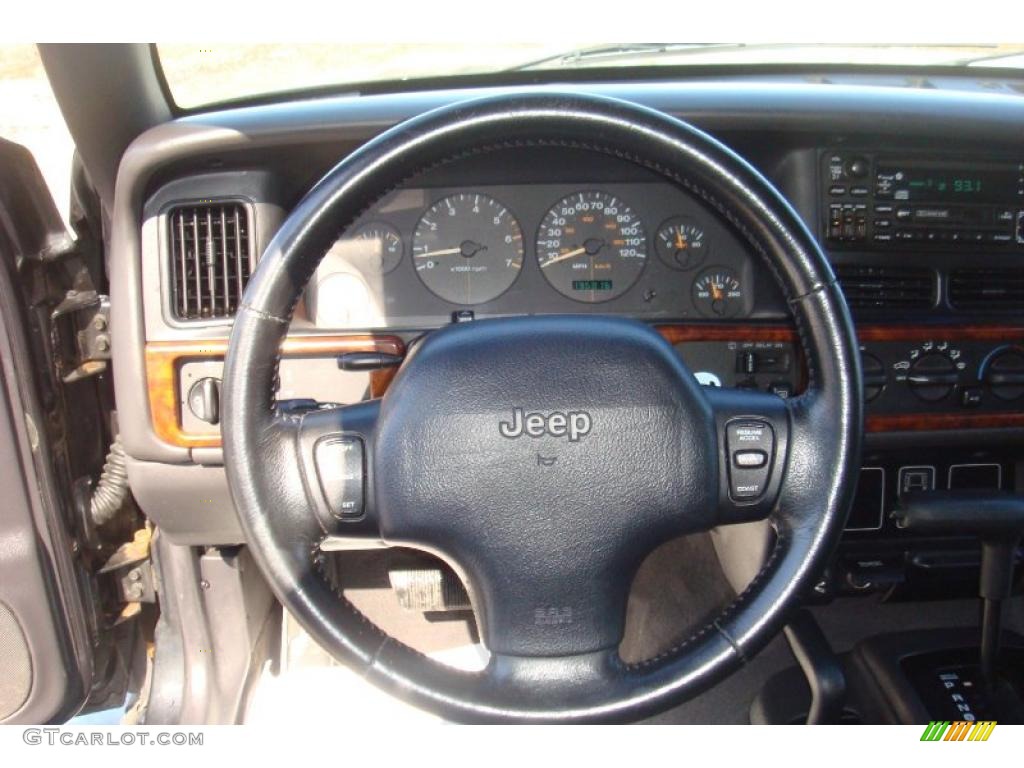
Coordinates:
553 452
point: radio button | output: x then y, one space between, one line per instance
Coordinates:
859 191
903 213
857 167
886 209
883 223
837 190
933 214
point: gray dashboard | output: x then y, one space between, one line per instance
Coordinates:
269 156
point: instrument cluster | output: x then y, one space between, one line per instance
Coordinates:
426 256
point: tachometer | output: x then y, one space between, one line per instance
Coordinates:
468 248
591 246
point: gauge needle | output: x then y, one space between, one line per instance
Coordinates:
680 243
444 252
716 292
568 255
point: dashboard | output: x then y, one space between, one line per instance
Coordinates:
916 194
578 234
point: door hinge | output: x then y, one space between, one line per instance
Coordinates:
80 335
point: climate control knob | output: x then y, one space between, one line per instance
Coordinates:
932 377
874 376
1003 372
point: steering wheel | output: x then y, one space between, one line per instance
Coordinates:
635 451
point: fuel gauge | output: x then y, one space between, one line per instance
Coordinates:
717 292
377 246
681 243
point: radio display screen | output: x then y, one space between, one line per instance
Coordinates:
919 183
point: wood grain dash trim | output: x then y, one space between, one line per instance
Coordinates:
904 422
676 334
164 359
928 422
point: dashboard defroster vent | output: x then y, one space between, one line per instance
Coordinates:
991 290
212 258
887 287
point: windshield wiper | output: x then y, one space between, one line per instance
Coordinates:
577 56
583 57
975 60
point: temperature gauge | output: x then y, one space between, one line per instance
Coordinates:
717 292
681 243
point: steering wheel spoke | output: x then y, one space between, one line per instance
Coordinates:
753 431
565 679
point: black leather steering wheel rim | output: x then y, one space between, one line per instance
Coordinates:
823 425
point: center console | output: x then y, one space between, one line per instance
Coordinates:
930 252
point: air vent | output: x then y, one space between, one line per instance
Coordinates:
211 259
888 287
993 290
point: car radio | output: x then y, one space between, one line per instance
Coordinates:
879 202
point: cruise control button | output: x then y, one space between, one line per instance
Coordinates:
750 445
750 459
339 468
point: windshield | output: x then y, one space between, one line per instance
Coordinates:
206 74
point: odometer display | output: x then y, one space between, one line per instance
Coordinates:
591 247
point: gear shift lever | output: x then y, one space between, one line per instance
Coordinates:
997 518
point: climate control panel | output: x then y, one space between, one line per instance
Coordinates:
967 376
943 375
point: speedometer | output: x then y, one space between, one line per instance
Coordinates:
591 247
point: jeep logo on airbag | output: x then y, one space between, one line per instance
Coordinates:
574 424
